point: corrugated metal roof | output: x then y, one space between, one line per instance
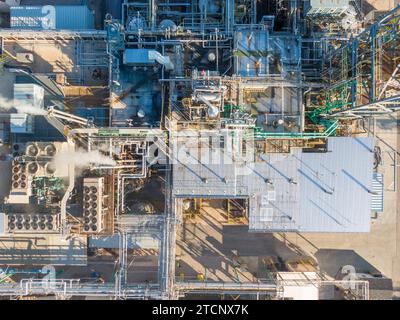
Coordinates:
313 192
377 192
336 189
137 56
66 17
326 7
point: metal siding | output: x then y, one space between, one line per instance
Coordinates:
67 17
28 17
74 18
137 56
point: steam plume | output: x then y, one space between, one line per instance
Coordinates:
82 159
21 107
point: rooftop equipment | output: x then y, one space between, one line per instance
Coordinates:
32 223
326 7
146 57
93 219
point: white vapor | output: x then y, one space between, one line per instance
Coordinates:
21 107
81 159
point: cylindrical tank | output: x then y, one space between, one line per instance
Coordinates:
211 56
168 24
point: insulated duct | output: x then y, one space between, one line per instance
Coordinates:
163 60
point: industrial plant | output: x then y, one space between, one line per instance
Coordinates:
199 149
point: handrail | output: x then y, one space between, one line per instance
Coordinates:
301 135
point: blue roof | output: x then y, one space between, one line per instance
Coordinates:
77 17
137 57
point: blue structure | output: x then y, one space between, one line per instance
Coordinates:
52 17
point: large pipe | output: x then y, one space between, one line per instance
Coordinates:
163 60
68 192
225 287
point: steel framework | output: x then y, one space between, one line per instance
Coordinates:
362 74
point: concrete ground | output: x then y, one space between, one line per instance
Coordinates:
379 250
102 267
219 251
209 246
60 57
42 250
379 4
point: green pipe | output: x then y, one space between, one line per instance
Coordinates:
304 135
5 277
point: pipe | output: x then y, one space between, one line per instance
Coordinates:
212 111
68 192
163 60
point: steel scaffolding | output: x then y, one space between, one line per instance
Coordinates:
360 73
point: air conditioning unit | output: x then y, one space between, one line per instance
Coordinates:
93 219
19 178
25 57
41 149
32 167
32 150
32 223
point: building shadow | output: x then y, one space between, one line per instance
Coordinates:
331 262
